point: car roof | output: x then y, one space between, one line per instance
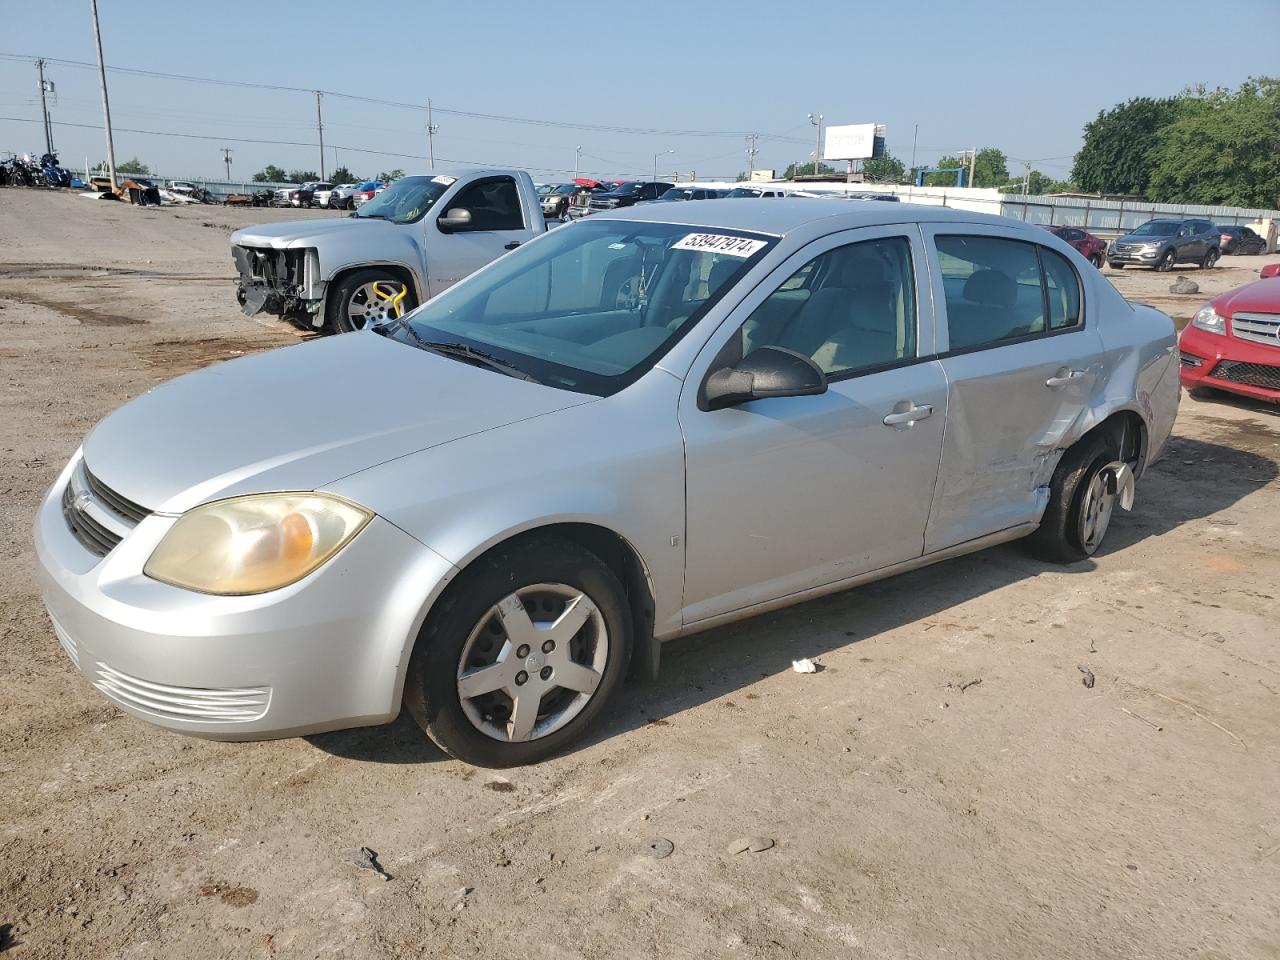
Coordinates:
786 215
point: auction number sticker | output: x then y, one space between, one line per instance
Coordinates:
444 181
720 243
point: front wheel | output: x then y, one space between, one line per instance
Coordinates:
1082 497
522 655
366 297
1166 262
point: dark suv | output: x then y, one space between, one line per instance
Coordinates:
628 194
1162 244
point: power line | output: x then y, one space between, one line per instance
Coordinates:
498 118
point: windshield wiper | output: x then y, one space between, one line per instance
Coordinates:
461 351
371 216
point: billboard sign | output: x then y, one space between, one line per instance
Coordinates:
855 141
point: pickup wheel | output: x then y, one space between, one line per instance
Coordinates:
367 296
521 655
1081 501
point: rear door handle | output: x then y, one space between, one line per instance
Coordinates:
512 245
1063 379
909 416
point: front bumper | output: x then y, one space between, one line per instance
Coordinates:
1141 258
324 653
1227 363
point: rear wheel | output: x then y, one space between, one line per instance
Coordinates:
367 296
1096 260
522 654
1210 259
1082 497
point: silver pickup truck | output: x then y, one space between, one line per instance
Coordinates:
410 242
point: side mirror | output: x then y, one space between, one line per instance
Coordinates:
458 218
764 372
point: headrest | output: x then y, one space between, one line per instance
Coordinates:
991 288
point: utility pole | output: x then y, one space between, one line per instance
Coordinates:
226 158
320 128
751 153
973 164
431 136
577 157
1026 177
44 107
817 144
106 107
915 137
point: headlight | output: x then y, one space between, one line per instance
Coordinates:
1207 319
254 544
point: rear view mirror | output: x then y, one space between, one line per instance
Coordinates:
764 372
458 218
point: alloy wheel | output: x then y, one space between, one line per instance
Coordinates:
376 301
533 662
1095 511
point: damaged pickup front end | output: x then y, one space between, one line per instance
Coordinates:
285 282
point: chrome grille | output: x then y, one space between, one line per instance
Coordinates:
1257 327
1250 374
97 515
233 705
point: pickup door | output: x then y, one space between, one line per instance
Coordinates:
498 224
787 494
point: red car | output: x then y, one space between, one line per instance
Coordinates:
1233 343
1093 249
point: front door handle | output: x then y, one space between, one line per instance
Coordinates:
909 416
1063 379
512 245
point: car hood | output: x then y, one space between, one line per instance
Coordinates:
1261 296
299 418
305 233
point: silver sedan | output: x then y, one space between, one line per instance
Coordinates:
632 428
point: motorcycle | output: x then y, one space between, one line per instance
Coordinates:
53 175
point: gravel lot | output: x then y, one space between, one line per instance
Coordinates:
916 812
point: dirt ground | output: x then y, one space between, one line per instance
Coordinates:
945 786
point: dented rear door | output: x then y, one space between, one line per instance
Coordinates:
1011 407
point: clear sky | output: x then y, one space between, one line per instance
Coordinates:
1022 76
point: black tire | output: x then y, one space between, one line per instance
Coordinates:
1116 266
1058 540
1097 260
1166 262
1210 259
337 315
431 687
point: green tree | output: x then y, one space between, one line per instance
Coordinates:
1222 148
1116 155
886 169
133 166
270 174
1038 183
806 170
343 175
301 176
990 169
388 175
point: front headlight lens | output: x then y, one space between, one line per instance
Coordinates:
254 544
1207 319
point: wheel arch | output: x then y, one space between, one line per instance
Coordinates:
611 547
1127 429
398 270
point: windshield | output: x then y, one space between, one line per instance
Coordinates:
592 306
744 192
677 193
1157 228
405 201
631 186
566 189
544 189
